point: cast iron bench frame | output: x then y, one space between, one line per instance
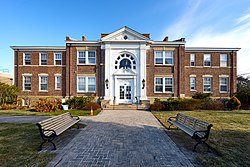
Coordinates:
51 128
197 129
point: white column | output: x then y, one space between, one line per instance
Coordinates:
143 72
107 71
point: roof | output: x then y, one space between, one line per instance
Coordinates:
209 49
39 48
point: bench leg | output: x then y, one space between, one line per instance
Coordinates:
194 149
169 126
201 142
41 145
51 141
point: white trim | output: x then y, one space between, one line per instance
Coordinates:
43 75
164 84
192 54
210 49
57 59
224 76
39 48
211 83
221 62
164 57
192 75
40 66
223 85
58 75
24 58
194 83
210 59
26 74
86 57
86 83
23 76
207 75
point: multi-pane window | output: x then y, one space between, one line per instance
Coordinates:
158 57
26 83
224 84
192 83
58 82
58 58
91 57
43 83
192 60
207 84
86 57
86 84
207 60
91 84
169 57
158 84
223 60
44 59
27 59
164 57
164 85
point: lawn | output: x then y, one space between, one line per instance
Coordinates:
33 113
18 146
230 136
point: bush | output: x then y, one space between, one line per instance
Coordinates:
234 103
8 93
181 104
44 105
93 105
243 96
212 104
12 107
79 102
199 95
157 106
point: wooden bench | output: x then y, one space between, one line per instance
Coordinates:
50 128
197 129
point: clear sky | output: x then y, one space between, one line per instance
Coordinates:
207 23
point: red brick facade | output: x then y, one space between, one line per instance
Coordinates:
70 69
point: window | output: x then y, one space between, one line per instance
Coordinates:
192 83
158 57
86 57
164 57
43 85
168 84
224 84
27 59
86 84
164 85
58 82
91 57
207 84
125 61
169 56
58 58
192 60
158 84
207 60
27 83
91 84
223 60
44 59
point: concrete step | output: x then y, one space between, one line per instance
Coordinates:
126 107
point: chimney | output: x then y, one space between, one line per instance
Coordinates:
103 35
68 38
165 39
84 38
146 35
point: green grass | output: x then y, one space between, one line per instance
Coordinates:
18 146
33 113
230 136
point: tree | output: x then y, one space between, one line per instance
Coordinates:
243 91
8 93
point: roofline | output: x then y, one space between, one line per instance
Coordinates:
47 48
198 49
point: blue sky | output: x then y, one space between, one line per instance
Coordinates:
217 23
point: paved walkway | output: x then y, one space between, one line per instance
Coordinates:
22 119
121 139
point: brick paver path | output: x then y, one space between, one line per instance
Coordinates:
121 139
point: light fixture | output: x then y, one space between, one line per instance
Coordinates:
107 83
143 83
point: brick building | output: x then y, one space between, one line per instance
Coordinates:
124 66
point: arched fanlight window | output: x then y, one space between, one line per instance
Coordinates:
125 61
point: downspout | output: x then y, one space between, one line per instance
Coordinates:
232 75
179 71
69 45
16 77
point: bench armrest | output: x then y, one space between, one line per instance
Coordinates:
171 118
54 132
201 131
74 117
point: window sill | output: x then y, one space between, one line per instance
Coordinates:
86 64
43 91
192 90
27 91
164 64
223 92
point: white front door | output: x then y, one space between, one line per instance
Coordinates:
126 91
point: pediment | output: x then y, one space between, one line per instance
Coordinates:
124 33
125 72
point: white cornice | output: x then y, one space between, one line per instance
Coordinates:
39 48
209 49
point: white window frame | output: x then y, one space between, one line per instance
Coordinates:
86 52
164 84
223 63
40 77
27 75
164 57
56 79
224 84
56 58
210 60
86 84
191 83
192 60
40 59
211 81
24 56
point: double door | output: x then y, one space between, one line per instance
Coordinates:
126 92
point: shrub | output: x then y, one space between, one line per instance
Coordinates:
79 102
157 105
181 104
199 95
212 104
44 105
8 93
243 96
93 105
